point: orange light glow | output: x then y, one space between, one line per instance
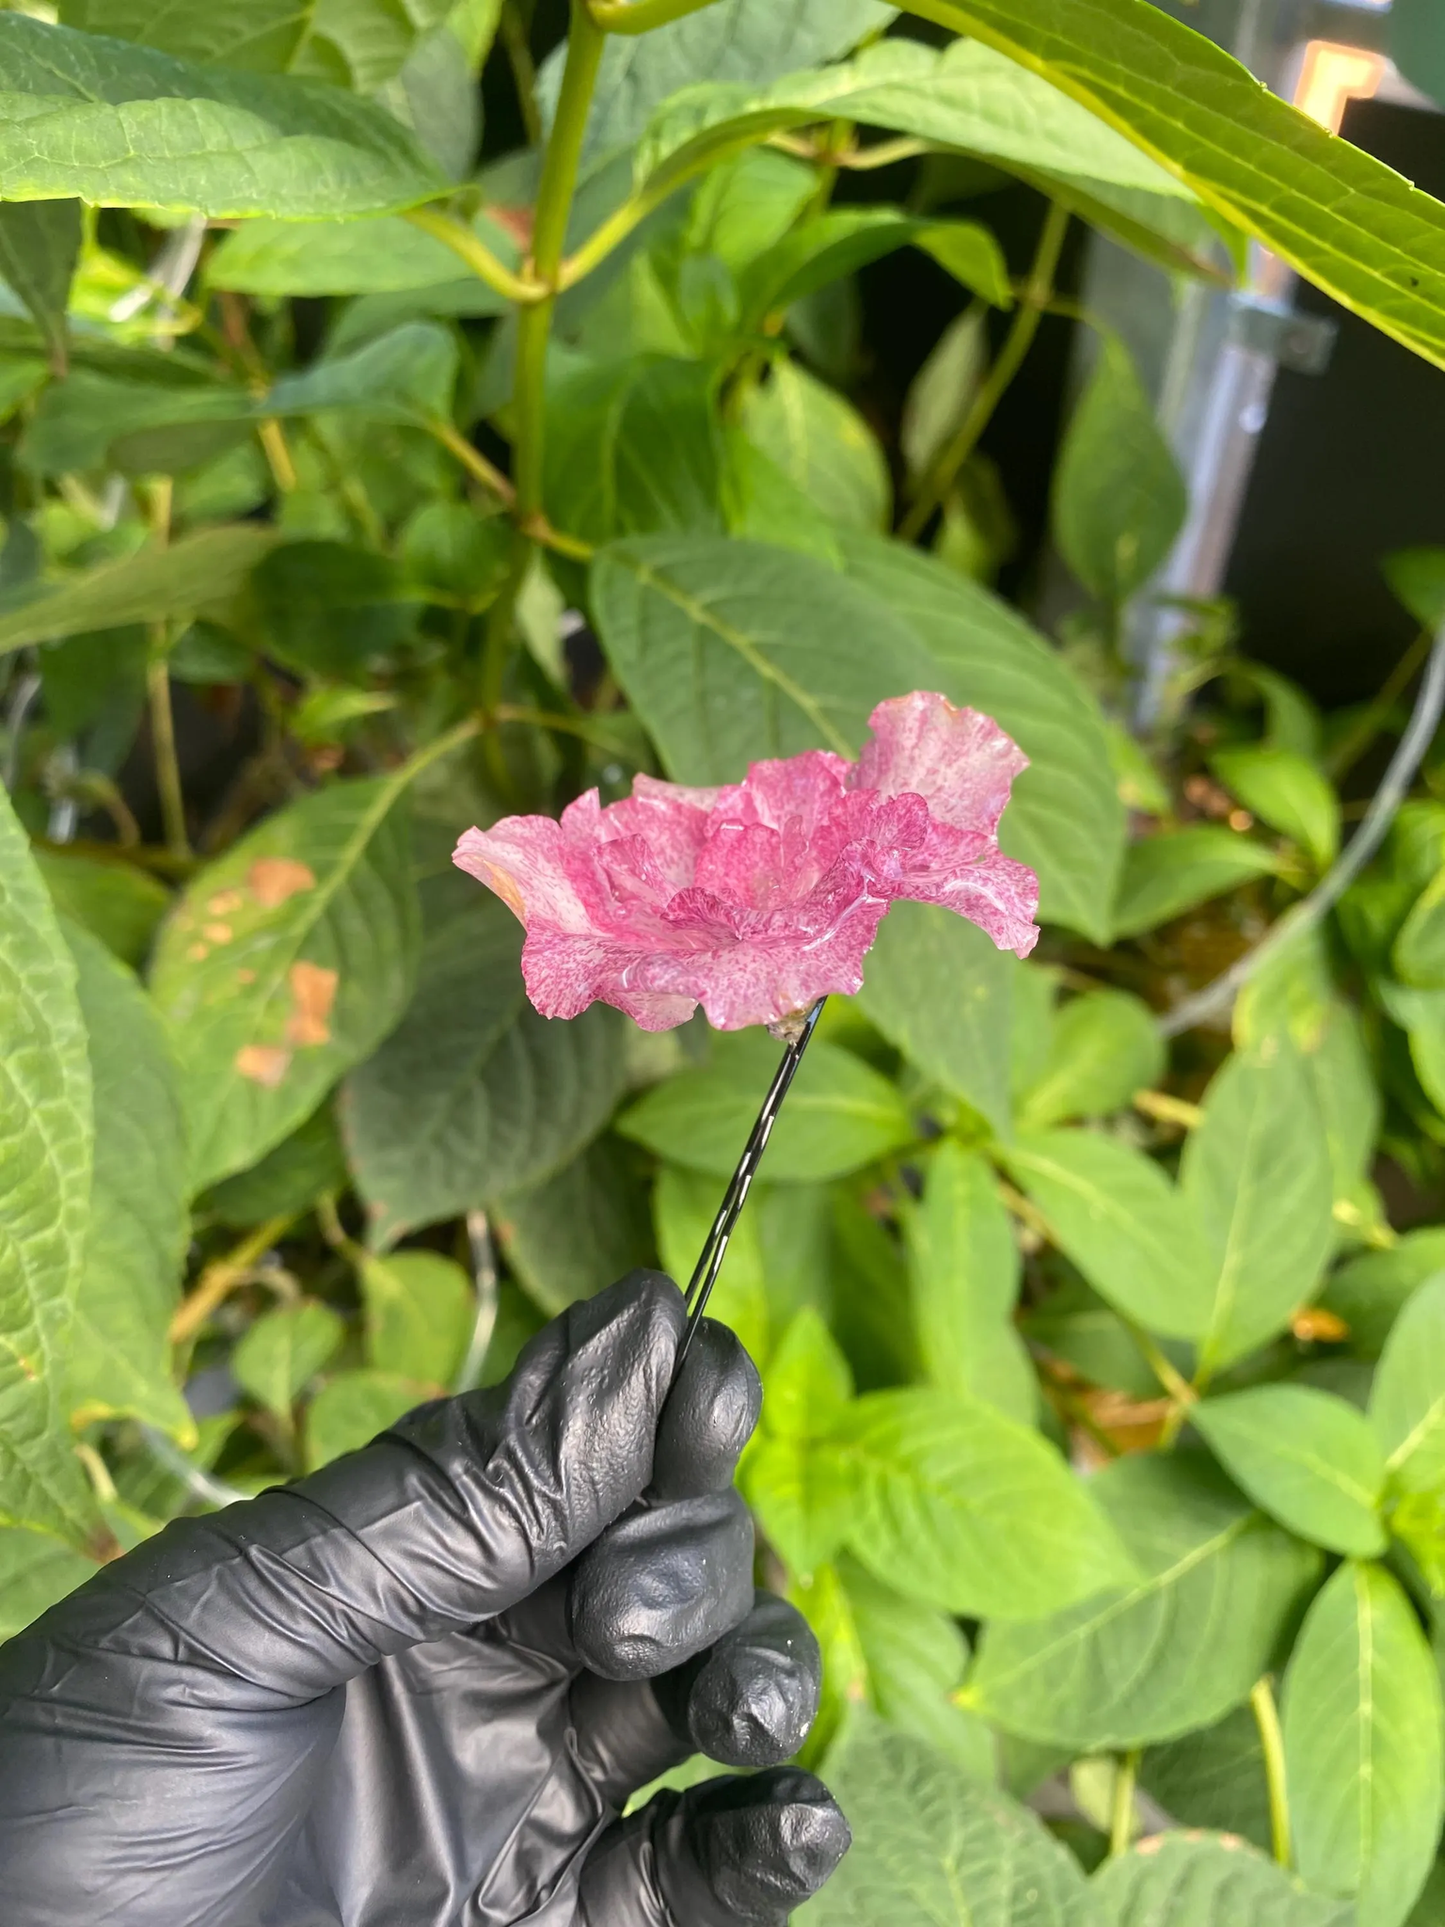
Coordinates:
1332 76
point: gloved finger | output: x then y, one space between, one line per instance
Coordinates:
730 1853
463 1508
748 1701
663 1584
711 1413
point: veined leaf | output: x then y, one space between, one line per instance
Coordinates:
46 1126
684 1205
364 43
284 963
383 255
813 256
1164 876
39 247
1174 1650
153 585
259 36
1407 1399
117 902
575 1232
960 1507
1205 1880
139 1224
352 1408
822 444
1065 819
420 1311
473 1094
1103 1047
934 1848
283 1351
36 1572
1362 1738
1287 791
1308 1458
1370 1292
122 125
1343 219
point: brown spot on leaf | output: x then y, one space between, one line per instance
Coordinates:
264 1064
226 903
517 221
198 952
1153 1844
217 932
272 879
245 976
313 992
1314 1322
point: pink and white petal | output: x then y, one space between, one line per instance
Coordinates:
672 820
960 762
803 789
566 974
523 859
999 895
745 864
763 981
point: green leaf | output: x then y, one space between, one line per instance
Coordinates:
1346 221
457 554
288 1180
1371 1291
383 255
730 650
153 585
818 253
473 1095
286 962
823 445
1417 576
840 1113
117 902
1256 1173
684 1207
1407 1400
933 1848
283 1351
1103 1047
633 446
1204 1880
1308 1458
420 1311
1077 1326
1286 791
944 388
1119 499
121 125
1115 1213
1174 1650
802 1489
1362 1723
1419 950
1214 1778
1166 875
942 992
330 609
966 1273
39 247
571 1235
406 375
364 43
130 1284
808 1384
46 1126
352 1408
259 36
1065 820
36 1572
961 1508
916 1658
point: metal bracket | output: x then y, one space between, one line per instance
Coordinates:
1303 343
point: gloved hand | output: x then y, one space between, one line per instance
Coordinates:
416 1688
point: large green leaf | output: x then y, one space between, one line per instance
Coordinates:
364 43
962 1508
966 1272
1371 1291
153 585
1288 792
46 1127
1174 1650
257 35
283 1351
420 1310
36 1571
633 446
684 1205
1214 1777
730 651
1119 499
1103 1047
384 255
117 124
933 1848
1345 220
117 902
1163 876
353 1407
574 1233
941 990
1205 1880
1065 820
1307 1457
1116 1214
840 1113
39 247
139 1224
822 444
1256 1173
1363 1749
1407 1399
802 1489
286 962
473 1094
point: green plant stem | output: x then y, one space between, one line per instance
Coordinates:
516 38
1271 1740
1035 298
585 42
641 16
163 743
468 247
1121 1818
221 1278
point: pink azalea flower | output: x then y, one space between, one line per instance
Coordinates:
758 898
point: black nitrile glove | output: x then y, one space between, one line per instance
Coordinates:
416 1688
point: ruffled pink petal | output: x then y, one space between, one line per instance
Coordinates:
999 895
523 859
961 763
